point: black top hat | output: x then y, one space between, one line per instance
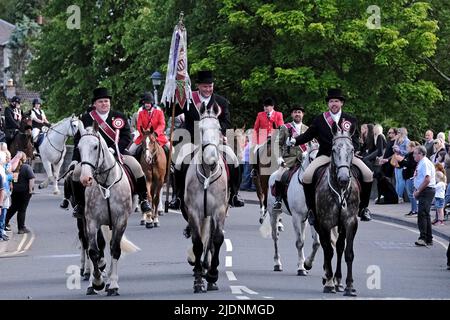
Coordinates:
100 93
15 99
205 76
299 107
268 102
147 97
334 94
36 101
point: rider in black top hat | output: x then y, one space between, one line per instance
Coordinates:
321 129
102 114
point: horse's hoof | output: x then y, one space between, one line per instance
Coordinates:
112 292
149 225
212 286
350 292
142 222
302 273
261 220
156 224
107 287
339 288
56 192
40 187
90 291
136 209
81 271
307 266
277 268
161 213
324 281
86 276
98 287
329 289
199 288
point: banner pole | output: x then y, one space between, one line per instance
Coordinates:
169 161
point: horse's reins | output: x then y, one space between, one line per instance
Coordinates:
104 190
344 193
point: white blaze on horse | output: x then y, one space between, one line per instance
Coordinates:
206 200
108 204
53 149
299 212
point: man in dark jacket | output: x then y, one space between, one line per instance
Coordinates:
321 129
13 117
109 121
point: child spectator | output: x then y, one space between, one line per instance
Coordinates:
439 198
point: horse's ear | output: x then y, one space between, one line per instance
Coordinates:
202 108
216 109
95 126
81 127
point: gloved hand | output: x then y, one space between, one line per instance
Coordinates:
280 161
73 164
112 150
290 142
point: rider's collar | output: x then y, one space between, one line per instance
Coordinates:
336 116
204 100
103 116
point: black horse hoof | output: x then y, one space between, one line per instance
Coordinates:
98 287
142 222
156 224
329 289
324 281
212 286
86 276
261 220
339 288
350 292
149 225
277 268
90 291
112 292
107 287
307 266
102 268
199 288
81 271
302 273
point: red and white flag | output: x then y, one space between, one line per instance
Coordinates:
178 84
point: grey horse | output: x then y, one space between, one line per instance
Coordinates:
299 213
337 201
206 200
108 203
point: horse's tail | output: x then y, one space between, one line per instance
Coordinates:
125 245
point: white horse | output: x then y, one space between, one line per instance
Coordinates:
53 149
299 212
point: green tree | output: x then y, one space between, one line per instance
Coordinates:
7 10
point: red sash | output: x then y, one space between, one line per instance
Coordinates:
198 102
303 147
328 119
103 125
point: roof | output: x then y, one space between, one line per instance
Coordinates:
6 29
26 94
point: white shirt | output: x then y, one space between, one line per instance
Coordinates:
336 116
425 168
103 116
298 127
440 190
37 111
204 100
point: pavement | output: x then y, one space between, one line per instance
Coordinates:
394 213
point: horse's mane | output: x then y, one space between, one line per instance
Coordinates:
60 121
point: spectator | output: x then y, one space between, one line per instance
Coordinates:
439 198
400 150
247 181
439 152
424 182
409 167
386 168
429 140
362 140
22 190
377 151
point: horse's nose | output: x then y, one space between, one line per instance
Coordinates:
343 181
86 181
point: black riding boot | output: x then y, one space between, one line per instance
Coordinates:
235 182
67 192
364 212
310 197
278 195
179 176
142 194
78 199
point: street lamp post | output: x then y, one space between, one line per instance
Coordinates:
156 81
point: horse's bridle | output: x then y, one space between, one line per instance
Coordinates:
342 196
63 134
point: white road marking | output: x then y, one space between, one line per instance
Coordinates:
268 297
228 261
241 290
73 255
242 297
231 276
412 230
30 242
228 245
22 242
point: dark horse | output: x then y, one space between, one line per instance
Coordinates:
22 140
337 202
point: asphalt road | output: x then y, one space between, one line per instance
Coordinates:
387 265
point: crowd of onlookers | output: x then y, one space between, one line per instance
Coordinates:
16 188
391 158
